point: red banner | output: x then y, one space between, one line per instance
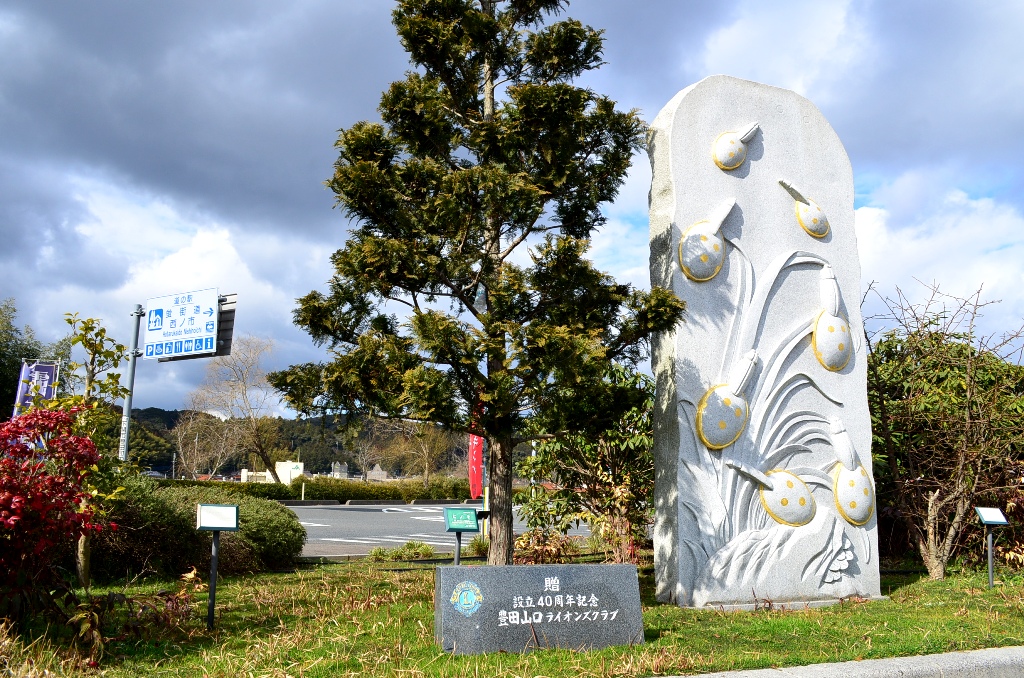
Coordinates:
476 466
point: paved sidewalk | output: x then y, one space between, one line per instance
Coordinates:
1002 662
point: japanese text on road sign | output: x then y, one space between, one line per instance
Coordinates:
181 324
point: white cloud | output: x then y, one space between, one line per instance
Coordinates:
621 248
960 243
147 146
805 45
163 251
138 226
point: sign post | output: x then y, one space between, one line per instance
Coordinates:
990 518
133 357
197 324
215 518
459 520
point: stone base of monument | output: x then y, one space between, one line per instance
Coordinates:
520 608
787 605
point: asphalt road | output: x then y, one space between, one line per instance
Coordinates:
354 530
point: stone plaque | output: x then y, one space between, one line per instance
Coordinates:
763 481
518 608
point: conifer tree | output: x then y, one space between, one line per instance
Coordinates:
462 295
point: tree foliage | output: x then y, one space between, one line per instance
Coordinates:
485 149
605 480
947 410
102 355
93 387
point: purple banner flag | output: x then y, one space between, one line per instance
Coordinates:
38 377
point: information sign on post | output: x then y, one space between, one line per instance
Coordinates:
181 325
990 518
215 518
459 520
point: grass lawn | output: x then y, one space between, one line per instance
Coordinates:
361 619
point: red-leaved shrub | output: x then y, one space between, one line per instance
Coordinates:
43 499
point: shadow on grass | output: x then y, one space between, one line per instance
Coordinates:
893 582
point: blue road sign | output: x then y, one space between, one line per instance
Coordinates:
183 324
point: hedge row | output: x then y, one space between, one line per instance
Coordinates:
406 490
275 491
157 533
440 487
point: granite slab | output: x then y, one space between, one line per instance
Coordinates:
520 608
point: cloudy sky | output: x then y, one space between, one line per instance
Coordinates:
153 147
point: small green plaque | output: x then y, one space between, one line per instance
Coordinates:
460 520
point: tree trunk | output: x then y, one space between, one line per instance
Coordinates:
273 473
934 564
500 480
265 458
83 557
500 472
426 469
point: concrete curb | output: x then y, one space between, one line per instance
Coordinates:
375 502
1000 662
324 560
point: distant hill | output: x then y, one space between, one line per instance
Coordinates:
157 420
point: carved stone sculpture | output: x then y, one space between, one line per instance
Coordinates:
763 485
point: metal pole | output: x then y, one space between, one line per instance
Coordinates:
458 546
213 581
126 415
487 507
990 538
533 481
17 390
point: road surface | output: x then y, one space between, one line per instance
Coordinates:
354 530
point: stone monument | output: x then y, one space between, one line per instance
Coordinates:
519 608
763 485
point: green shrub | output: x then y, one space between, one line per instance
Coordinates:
595 543
478 546
444 487
343 490
539 546
404 490
157 532
410 550
277 491
269 529
152 536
